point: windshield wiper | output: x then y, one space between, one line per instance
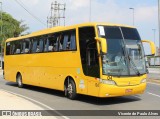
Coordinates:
125 56
134 66
120 70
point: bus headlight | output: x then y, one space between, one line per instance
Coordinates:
143 80
109 82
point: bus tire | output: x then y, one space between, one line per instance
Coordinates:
19 81
70 89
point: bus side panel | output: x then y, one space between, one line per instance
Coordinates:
47 69
57 67
10 69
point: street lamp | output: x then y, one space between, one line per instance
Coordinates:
154 38
90 10
133 14
154 35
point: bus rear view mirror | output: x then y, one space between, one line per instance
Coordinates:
103 44
152 46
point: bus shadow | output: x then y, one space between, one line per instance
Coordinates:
39 89
108 101
81 98
11 84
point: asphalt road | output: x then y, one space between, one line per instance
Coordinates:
52 99
154 73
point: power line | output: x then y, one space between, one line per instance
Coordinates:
22 5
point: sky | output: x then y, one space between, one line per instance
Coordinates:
77 11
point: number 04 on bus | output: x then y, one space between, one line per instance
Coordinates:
96 59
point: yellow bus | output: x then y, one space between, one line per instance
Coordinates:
96 59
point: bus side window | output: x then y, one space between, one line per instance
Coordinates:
12 47
73 41
38 46
51 39
8 48
46 44
23 48
60 41
26 46
17 47
41 45
34 45
69 41
65 42
55 42
56 45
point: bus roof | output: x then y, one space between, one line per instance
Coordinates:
61 28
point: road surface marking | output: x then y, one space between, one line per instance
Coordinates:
44 105
154 94
153 83
137 96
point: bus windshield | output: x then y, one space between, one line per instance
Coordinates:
125 55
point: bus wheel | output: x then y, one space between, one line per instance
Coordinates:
70 91
19 81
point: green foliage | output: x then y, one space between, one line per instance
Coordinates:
10 27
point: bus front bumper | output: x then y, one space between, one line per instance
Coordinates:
115 91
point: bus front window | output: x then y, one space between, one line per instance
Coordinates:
136 56
125 55
114 62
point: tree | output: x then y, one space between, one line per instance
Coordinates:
11 27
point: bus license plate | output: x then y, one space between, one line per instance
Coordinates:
128 90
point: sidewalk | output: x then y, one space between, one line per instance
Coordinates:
14 106
10 102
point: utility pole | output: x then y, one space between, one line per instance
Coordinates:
1 36
57 13
1 18
159 22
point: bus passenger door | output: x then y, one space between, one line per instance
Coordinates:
92 71
89 59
